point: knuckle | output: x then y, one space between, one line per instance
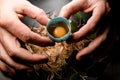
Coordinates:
2 21
12 52
65 8
26 38
39 14
19 67
5 21
41 11
26 3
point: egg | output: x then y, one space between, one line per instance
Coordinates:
59 31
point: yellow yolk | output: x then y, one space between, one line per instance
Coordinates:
59 32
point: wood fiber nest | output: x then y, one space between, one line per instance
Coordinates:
57 54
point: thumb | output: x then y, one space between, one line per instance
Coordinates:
34 12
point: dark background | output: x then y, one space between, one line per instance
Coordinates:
111 70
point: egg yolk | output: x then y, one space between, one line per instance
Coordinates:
59 31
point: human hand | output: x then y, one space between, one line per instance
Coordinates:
98 8
12 56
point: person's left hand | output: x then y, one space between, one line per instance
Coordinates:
99 9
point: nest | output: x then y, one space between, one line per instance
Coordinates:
57 54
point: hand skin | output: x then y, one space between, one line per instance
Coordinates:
98 8
12 56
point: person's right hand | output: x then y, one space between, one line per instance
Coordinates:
12 56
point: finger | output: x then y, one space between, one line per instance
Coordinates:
24 55
4 57
90 26
14 50
93 45
20 30
34 12
6 69
72 7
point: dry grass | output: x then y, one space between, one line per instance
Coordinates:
56 54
